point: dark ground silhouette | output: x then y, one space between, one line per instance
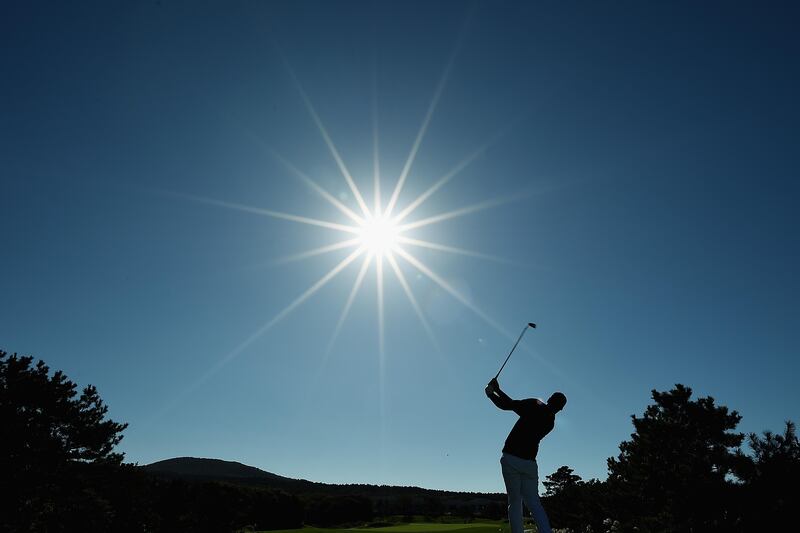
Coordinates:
683 469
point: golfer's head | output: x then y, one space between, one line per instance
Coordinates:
557 401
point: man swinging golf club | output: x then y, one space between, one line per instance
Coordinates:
518 463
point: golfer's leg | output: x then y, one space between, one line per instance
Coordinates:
530 493
512 478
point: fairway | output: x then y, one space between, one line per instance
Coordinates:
416 527
425 527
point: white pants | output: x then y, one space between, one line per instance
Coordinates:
522 483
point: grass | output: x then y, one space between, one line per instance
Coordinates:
426 527
413 527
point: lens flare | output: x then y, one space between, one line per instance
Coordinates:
379 235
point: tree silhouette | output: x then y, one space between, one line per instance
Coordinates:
49 430
574 504
672 474
46 421
774 454
772 475
560 480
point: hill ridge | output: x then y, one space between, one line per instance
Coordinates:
211 469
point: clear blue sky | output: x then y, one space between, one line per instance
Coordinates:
648 154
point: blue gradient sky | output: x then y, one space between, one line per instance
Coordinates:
651 151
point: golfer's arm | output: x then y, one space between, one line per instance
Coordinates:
502 400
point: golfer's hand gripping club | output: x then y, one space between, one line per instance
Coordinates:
492 387
528 325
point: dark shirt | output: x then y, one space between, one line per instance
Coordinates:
536 420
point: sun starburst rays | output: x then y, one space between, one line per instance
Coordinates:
377 236
412 299
349 303
329 143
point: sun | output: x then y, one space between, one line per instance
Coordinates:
379 235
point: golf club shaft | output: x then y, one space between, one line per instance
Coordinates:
512 350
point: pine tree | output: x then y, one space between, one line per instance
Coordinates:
560 480
50 432
673 473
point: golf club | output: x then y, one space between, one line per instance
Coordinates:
528 325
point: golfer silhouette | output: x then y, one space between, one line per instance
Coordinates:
518 463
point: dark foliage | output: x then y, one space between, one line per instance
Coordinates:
560 480
683 471
49 433
573 503
770 494
672 474
327 511
219 507
579 506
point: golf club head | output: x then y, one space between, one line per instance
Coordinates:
531 325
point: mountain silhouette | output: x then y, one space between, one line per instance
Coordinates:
210 468
202 469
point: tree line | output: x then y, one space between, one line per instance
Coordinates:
683 470
60 472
